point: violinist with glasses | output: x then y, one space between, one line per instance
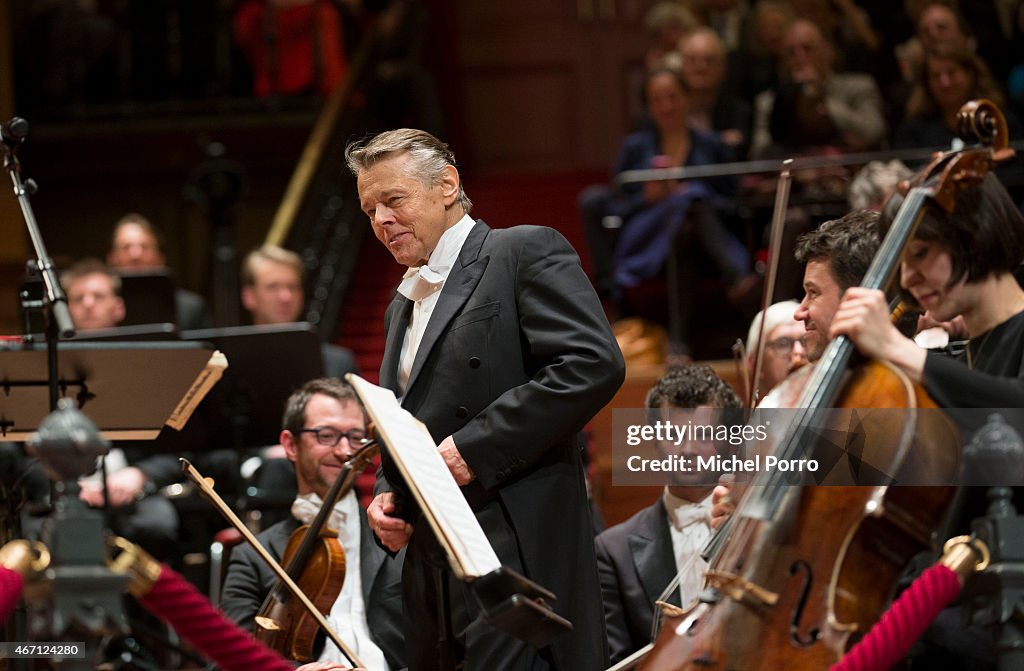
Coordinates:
324 426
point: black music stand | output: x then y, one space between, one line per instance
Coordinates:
148 297
265 365
138 333
154 332
127 389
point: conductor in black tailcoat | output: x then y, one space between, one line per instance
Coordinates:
498 343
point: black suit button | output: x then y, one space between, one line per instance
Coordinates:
461 412
500 475
474 362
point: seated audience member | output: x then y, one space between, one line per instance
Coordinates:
848 27
137 245
322 427
936 25
140 513
874 183
783 344
730 19
980 26
714 106
851 103
800 125
939 25
272 293
666 24
666 219
949 77
757 66
639 558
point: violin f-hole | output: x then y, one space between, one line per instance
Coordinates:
795 635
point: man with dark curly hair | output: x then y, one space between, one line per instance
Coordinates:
638 559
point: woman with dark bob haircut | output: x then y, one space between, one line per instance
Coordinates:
958 263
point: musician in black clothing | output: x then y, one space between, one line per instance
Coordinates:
323 423
958 263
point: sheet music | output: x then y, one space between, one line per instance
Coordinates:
431 483
204 382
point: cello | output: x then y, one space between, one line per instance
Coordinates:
803 572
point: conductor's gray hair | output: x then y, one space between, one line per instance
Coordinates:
429 155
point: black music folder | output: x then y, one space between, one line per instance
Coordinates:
148 297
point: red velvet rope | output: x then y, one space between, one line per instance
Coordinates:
11 583
904 622
178 603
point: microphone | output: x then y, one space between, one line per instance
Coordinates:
13 131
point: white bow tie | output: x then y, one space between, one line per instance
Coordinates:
421 281
686 516
306 506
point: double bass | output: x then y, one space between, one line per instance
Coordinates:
801 573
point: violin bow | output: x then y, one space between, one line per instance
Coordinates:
218 503
774 258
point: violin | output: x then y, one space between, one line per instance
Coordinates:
279 619
315 560
799 574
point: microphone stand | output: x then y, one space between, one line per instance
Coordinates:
55 303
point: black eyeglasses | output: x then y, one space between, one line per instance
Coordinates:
784 346
331 437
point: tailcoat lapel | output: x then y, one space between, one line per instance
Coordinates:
653 556
393 344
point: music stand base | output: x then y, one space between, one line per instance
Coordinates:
519 607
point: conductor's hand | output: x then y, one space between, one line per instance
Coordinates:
393 532
123 487
327 666
722 505
460 470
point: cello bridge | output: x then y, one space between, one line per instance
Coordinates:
740 589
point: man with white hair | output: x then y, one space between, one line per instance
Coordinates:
875 182
784 347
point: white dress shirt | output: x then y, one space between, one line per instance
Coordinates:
348 614
423 285
690 526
